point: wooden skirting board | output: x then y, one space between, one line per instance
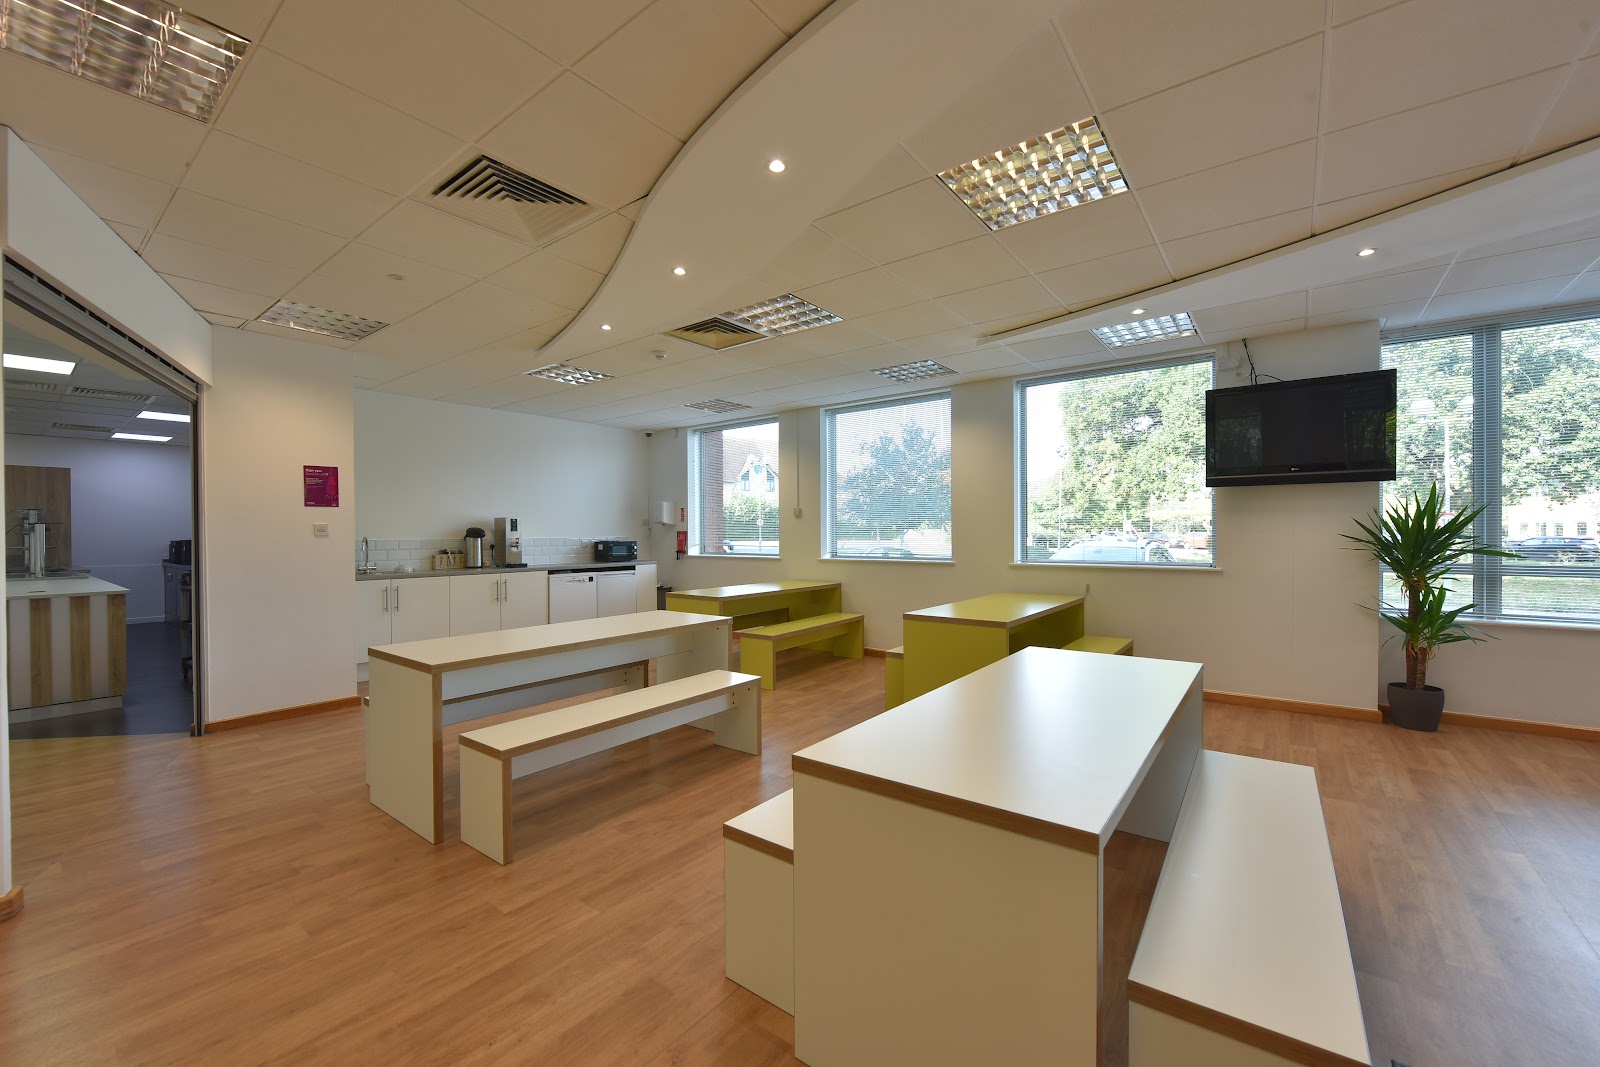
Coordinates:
11 903
342 704
1338 711
1451 718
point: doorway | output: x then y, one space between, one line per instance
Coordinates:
100 518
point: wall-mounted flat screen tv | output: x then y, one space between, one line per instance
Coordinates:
1334 429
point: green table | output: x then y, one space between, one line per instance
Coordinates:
759 603
950 641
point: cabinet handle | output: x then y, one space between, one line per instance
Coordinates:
505 583
397 598
386 600
497 590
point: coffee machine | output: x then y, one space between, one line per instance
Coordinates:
508 542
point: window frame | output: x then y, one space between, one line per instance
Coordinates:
696 497
827 480
1020 386
1487 574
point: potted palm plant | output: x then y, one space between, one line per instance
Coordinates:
1420 544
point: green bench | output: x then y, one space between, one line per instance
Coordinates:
894 677
1110 646
838 632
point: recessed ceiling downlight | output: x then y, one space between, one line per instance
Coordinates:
144 48
1146 331
1062 169
915 371
1367 252
718 407
781 315
294 316
679 271
776 166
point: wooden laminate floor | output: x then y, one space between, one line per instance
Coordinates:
236 899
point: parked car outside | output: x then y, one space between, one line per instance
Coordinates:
1099 551
890 552
1560 549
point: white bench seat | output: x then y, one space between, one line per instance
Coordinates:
493 756
1244 959
758 900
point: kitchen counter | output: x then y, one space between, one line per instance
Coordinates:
557 567
34 588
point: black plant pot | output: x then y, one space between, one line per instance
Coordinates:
1416 709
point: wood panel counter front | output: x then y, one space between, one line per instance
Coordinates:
948 858
418 686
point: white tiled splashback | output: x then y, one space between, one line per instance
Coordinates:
389 554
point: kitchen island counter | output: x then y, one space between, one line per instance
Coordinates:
66 646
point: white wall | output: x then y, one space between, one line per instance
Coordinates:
129 499
277 611
430 470
1278 617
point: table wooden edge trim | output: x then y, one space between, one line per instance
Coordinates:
471 742
759 844
643 664
1027 826
11 903
1244 1032
1071 602
377 652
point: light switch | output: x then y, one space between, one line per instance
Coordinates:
319 529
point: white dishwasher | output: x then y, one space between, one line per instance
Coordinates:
618 592
574 596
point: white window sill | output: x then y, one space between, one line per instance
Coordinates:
1075 565
728 555
1533 624
885 559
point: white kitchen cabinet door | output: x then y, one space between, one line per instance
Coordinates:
572 597
644 575
617 593
420 609
525 600
373 600
474 603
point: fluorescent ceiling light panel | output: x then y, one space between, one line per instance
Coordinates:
915 371
720 407
38 363
144 48
139 437
568 375
163 416
319 320
1146 331
781 315
1062 169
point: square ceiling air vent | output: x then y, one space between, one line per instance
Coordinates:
90 393
145 48
22 386
294 316
716 334
719 407
915 371
491 193
80 427
1053 172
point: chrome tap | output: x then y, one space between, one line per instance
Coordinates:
366 566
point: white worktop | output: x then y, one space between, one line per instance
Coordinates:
1045 737
771 820
34 588
469 650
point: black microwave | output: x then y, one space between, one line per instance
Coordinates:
616 551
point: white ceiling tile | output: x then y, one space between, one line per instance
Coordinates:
819 341
1477 129
912 320
632 211
291 334
429 383
1343 11
638 355
202 220
1250 331
1041 94
1099 280
422 233
246 174
185 259
1401 313
565 31
223 320
356 281
1051 350
1079 234
1523 296
1189 256
1563 260
1369 292
783 351
1269 184
792 15
511 389
988 361
1538 239
918 218
813 258
436 60
1585 287
864 359
644 63
1212 321
115 195
466 319
203 296
244 18
1019 296
861 294
1336 213
742 294
596 245
574 136
550 278
1576 115
292 109
945 342
895 170
1429 50
1244 110
959 267
50 107
130 234
1127 51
